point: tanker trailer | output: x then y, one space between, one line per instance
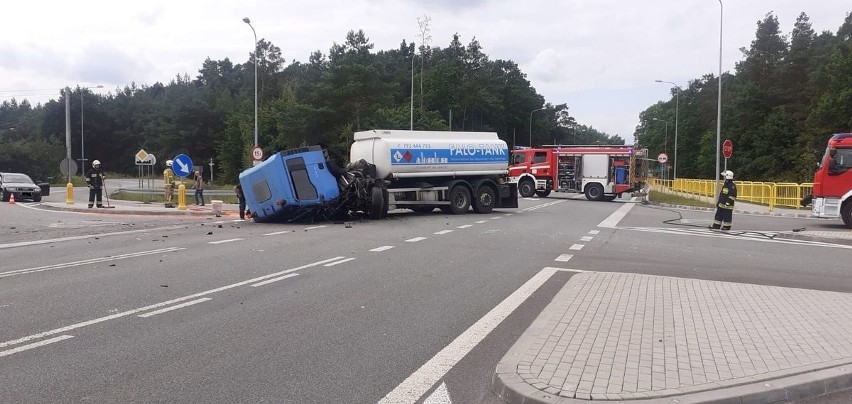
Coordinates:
452 171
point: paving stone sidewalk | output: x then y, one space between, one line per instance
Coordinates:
617 336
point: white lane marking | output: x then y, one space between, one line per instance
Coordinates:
440 396
275 233
331 264
225 241
759 236
576 247
158 305
564 258
175 307
465 226
566 269
508 214
34 345
586 238
496 217
594 231
544 205
72 238
416 239
382 248
89 261
442 232
314 227
419 382
477 222
268 281
616 216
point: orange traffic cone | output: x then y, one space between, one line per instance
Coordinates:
11 199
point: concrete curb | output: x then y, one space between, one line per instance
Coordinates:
810 237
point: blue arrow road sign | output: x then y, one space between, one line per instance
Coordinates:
182 165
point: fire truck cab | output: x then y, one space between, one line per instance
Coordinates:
601 172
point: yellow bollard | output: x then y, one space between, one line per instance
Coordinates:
181 197
69 194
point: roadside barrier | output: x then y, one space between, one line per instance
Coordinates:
771 194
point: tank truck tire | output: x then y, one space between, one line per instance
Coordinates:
526 188
594 192
542 194
376 203
459 199
386 200
846 213
485 199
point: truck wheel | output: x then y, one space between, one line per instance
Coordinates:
526 188
846 213
485 199
594 192
377 202
542 194
459 199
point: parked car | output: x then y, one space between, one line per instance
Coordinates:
21 185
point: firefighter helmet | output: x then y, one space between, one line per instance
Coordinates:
96 163
728 174
168 163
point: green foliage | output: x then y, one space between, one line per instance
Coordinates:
779 109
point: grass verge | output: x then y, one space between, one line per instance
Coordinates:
672 199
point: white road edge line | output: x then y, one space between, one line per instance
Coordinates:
331 264
89 261
161 304
225 241
419 382
34 345
72 238
612 221
268 281
382 248
175 307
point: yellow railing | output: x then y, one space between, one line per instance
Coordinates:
771 194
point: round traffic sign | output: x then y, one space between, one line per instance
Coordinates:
727 148
68 166
662 158
257 153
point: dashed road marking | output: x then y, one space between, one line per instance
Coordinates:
576 247
382 248
175 307
586 238
416 239
442 232
34 345
275 233
230 240
564 258
331 264
280 278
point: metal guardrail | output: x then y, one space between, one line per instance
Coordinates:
771 194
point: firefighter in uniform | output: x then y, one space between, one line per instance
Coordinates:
169 183
95 182
725 203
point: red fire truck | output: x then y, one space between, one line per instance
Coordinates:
602 172
832 195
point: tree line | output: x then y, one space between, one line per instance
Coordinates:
786 98
779 106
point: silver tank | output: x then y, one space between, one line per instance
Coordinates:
410 154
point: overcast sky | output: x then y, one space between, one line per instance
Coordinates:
601 57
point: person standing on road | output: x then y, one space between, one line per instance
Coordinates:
199 188
241 197
169 183
725 203
95 182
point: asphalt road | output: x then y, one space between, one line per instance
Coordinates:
179 309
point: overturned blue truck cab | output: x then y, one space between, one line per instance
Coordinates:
389 169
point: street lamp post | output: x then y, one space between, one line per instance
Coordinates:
666 143
719 106
247 21
82 135
531 114
677 106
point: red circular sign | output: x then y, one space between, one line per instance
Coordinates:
727 149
